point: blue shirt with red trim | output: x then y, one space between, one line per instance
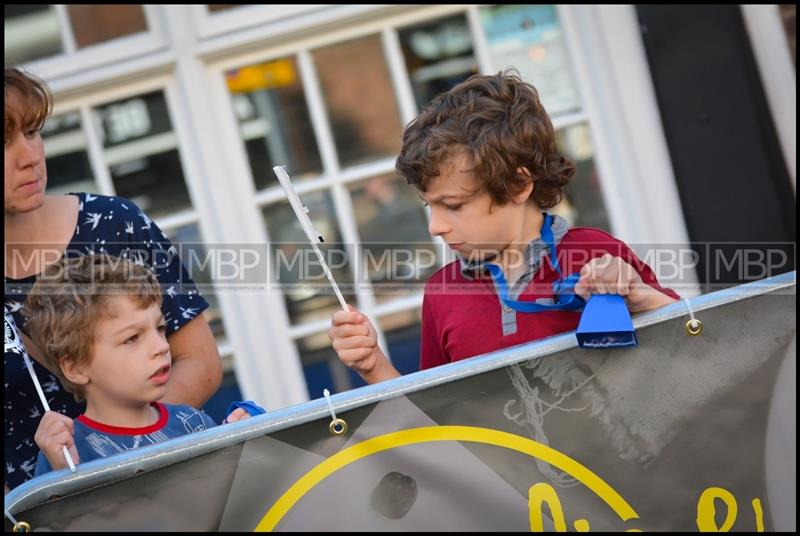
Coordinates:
96 440
462 315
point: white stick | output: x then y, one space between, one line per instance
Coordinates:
305 222
45 404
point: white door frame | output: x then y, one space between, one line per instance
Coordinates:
637 178
777 72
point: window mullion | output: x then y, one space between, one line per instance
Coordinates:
94 148
485 65
65 27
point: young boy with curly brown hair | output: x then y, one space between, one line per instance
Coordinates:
483 157
98 322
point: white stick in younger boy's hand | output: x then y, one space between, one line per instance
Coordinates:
45 404
314 237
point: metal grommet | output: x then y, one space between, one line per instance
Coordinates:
694 327
21 526
338 427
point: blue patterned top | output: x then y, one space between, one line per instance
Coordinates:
95 440
111 225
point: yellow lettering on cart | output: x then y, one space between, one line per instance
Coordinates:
538 495
706 510
581 525
427 434
759 515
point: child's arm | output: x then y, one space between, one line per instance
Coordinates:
612 275
356 343
54 432
243 410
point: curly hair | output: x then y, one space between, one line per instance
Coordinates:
28 102
500 122
70 297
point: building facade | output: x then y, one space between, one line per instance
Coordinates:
185 109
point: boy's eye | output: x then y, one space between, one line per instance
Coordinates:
31 133
453 207
162 327
132 339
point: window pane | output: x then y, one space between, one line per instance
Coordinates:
530 39
789 18
438 56
68 168
322 367
195 258
142 155
360 100
221 7
402 331
398 254
274 122
583 205
295 268
92 24
31 33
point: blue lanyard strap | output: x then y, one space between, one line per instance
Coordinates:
563 289
547 237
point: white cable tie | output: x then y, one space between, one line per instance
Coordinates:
327 395
691 313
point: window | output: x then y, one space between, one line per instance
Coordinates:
31 32
359 99
789 18
398 253
40 31
343 102
530 40
274 120
295 267
213 8
438 55
69 169
140 149
93 24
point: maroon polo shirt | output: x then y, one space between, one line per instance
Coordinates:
462 314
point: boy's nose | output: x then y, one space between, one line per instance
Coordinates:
437 225
162 346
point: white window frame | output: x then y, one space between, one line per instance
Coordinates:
100 55
631 152
212 24
778 76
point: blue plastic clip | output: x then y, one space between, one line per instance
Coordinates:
606 323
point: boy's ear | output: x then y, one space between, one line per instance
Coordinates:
73 371
525 193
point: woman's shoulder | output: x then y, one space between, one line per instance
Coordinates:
90 202
111 218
